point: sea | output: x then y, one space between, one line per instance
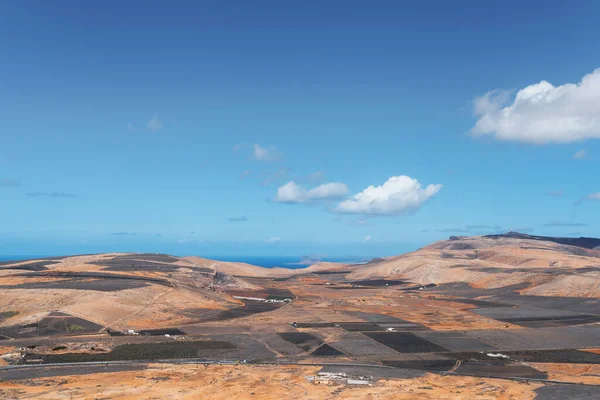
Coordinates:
292 262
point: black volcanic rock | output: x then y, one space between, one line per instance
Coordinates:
585 242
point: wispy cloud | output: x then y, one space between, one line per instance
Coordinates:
556 193
242 218
580 155
366 239
9 183
269 153
53 194
274 240
237 147
123 233
473 229
291 192
155 124
277 176
564 224
593 196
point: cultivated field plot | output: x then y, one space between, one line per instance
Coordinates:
249 308
499 370
139 351
455 341
378 282
478 303
103 285
537 317
326 350
304 340
49 372
562 392
52 325
542 338
279 345
405 342
434 365
356 344
386 321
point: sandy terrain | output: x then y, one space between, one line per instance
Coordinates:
255 382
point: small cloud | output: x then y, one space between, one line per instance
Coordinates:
245 174
452 230
556 193
291 192
483 227
473 229
237 147
580 155
123 233
83 242
593 196
398 195
9 183
274 240
242 218
564 224
52 194
266 153
366 239
154 124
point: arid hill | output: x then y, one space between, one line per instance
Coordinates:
542 266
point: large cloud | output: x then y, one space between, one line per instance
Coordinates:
291 192
399 195
542 113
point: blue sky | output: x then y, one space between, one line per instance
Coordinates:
147 126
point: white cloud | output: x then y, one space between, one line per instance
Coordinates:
274 240
291 192
237 147
594 196
580 155
155 124
398 195
366 239
542 113
266 153
332 190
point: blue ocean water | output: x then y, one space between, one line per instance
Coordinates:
287 262
262 261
